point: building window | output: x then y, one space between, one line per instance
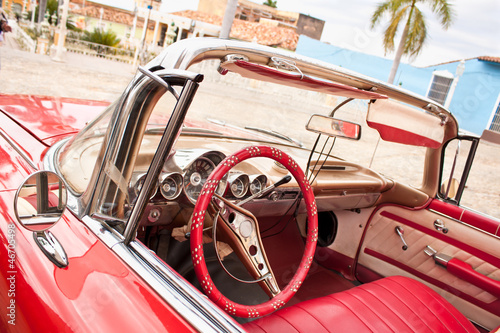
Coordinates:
495 122
440 86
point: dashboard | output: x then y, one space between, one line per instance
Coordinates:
337 185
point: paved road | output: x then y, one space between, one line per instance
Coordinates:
78 76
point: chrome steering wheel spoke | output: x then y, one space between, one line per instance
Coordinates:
239 228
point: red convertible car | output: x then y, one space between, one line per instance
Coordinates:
235 187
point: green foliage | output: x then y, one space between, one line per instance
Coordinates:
52 6
407 12
99 36
271 3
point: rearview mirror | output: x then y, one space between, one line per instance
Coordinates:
333 127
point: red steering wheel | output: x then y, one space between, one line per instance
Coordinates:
242 228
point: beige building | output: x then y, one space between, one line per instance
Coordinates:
254 12
249 11
16 6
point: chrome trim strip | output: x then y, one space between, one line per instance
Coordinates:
103 232
463 223
18 149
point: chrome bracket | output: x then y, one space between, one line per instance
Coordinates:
439 258
51 247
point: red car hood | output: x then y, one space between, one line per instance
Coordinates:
49 118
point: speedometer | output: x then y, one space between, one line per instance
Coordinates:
170 186
195 177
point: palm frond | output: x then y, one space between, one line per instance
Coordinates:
444 11
382 8
417 34
391 30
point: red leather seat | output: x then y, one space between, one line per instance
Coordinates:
394 304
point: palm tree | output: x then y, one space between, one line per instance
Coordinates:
271 3
414 32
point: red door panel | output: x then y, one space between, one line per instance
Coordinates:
471 280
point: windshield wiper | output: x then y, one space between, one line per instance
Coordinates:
185 130
196 130
275 134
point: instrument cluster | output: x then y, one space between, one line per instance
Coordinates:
185 176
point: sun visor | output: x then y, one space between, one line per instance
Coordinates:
401 123
294 79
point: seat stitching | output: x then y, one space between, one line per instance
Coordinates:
388 323
258 325
310 314
354 313
401 300
278 314
440 302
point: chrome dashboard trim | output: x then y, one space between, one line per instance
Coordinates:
177 178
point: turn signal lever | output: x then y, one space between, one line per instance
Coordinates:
268 189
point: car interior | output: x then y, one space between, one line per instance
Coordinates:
389 256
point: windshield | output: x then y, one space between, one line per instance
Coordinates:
79 156
226 106
228 112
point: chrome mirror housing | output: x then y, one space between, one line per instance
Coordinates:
40 201
39 204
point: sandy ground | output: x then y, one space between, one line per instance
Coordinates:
99 79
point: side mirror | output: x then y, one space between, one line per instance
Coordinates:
40 201
39 204
334 127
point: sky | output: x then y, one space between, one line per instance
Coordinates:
474 32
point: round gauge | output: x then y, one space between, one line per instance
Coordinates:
196 175
257 183
170 186
238 185
140 182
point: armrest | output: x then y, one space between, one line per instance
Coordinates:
467 273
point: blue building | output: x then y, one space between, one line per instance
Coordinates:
470 88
